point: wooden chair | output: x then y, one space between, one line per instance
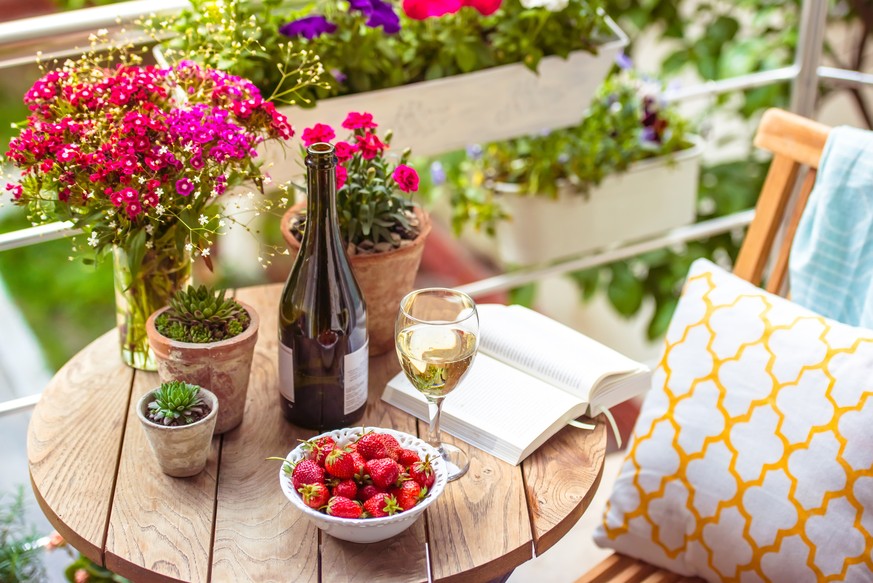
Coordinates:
796 143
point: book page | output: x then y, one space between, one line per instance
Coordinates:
494 401
547 349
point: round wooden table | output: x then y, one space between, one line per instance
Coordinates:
96 480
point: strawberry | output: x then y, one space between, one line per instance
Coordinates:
306 472
371 447
317 449
422 472
368 491
346 489
407 457
339 463
384 471
392 447
381 505
314 495
342 507
411 493
360 465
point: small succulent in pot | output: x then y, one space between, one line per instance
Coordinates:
201 314
177 403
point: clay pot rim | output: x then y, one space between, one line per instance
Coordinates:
423 216
254 324
143 403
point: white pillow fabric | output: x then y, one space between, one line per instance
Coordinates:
752 458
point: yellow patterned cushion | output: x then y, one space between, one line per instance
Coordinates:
752 458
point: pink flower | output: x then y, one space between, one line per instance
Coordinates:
421 9
55 541
81 576
485 7
116 199
184 186
133 209
370 146
356 121
406 178
344 151
318 133
129 195
16 190
341 176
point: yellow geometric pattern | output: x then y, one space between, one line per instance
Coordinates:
752 459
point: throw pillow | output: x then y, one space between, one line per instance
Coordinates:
752 458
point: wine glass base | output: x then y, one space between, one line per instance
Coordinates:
456 460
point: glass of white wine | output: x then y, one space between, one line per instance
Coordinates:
437 334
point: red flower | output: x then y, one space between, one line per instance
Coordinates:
341 176
344 151
485 7
318 133
406 178
370 146
421 9
359 121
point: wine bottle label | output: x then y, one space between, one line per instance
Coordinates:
356 373
286 372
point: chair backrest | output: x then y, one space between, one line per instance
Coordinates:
797 144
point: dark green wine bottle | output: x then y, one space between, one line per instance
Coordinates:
323 349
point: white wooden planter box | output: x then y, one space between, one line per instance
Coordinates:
651 197
433 117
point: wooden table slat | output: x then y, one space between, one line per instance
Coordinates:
259 536
160 528
479 528
73 455
561 479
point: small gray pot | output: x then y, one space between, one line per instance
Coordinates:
181 451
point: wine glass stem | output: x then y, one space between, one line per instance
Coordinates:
434 409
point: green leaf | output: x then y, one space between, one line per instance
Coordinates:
523 295
661 319
136 252
625 292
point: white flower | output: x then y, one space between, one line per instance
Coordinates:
221 223
159 191
112 224
162 150
196 178
203 219
141 179
188 247
92 240
550 5
205 252
149 229
149 244
268 179
159 210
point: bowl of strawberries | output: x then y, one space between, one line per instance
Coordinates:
363 484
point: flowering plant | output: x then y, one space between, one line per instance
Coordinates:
627 121
374 206
374 44
136 156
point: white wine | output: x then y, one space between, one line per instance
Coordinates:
435 358
323 346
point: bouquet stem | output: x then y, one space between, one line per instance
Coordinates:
141 290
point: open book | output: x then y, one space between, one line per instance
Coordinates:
531 376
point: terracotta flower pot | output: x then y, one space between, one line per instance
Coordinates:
181 451
384 278
222 367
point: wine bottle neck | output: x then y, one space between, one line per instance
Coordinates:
321 196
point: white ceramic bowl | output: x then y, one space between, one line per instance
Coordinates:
367 530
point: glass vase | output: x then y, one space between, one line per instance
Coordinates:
141 290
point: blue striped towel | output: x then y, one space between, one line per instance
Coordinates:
831 263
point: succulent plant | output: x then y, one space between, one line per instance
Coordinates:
201 314
177 403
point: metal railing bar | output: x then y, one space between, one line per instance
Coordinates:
19 405
38 234
676 236
739 83
845 77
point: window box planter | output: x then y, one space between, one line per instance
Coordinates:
433 117
651 197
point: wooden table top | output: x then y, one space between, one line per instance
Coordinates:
96 480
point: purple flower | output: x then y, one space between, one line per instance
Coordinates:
309 27
474 151
383 15
339 76
437 174
624 62
363 6
184 186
